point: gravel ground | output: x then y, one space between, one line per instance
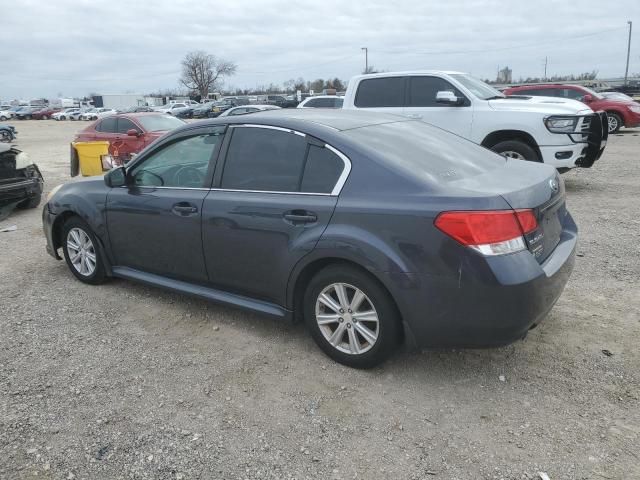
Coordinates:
126 381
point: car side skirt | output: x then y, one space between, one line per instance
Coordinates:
207 293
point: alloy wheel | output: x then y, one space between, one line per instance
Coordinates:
82 252
347 318
513 154
613 123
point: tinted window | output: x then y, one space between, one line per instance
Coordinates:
183 163
423 91
124 125
322 170
540 92
158 123
264 159
422 152
380 92
573 94
108 125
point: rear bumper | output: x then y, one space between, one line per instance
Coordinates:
493 301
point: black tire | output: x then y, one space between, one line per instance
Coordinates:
5 136
614 122
518 147
32 202
377 298
98 275
3 118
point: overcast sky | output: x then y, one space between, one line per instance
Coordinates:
75 47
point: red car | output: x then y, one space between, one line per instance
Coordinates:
620 113
127 133
44 114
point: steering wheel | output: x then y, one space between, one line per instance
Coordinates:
189 177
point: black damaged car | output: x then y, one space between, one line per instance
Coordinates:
20 181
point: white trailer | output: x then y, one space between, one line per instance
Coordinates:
118 101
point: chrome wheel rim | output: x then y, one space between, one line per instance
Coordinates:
347 318
82 253
512 154
613 123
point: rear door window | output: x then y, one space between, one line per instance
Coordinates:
264 159
423 91
108 125
381 92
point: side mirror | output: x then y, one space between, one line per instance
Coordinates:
132 132
447 97
587 98
116 177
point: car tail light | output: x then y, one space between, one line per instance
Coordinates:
490 232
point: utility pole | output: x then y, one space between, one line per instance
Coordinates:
626 71
546 60
366 59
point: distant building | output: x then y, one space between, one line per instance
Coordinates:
504 75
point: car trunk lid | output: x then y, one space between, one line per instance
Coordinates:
522 187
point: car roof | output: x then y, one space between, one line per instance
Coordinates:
409 72
323 96
334 119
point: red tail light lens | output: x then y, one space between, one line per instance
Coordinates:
492 232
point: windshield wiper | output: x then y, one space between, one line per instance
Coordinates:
496 97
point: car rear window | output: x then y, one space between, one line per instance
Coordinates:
157 123
380 92
420 150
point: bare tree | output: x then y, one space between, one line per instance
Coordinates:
203 72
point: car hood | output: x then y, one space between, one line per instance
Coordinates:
547 105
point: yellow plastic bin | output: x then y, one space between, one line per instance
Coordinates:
90 157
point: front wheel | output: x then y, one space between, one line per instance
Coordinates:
80 247
5 136
351 317
517 150
614 121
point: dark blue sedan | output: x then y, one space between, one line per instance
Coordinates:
373 229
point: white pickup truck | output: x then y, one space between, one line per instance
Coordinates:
561 132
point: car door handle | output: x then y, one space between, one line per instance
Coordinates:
296 217
183 209
415 115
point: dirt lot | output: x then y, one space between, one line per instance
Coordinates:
126 381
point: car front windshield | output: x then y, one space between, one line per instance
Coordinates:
477 87
159 123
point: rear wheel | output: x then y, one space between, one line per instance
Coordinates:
5 136
615 122
81 253
516 149
351 317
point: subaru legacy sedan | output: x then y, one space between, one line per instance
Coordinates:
373 229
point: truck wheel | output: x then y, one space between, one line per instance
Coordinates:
517 150
615 122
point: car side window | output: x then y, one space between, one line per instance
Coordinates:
380 92
264 159
311 103
573 94
181 164
423 91
108 125
238 111
124 125
322 170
